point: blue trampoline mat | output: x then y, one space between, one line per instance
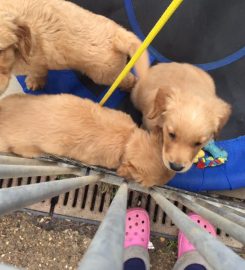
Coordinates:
66 81
229 176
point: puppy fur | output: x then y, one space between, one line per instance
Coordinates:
181 99
66 125
39 35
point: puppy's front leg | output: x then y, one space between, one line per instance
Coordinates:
104 74
36 78
28 152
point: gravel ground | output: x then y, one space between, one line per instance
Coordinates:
36 243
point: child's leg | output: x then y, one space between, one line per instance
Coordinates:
191 261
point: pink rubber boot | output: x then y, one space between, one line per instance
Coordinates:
137 235
187 253
183 243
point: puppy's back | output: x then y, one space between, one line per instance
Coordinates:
64 125
54 108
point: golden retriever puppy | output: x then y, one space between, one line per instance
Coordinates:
67 125
181 99
38 35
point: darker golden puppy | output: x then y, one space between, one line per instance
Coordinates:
181 99
38 35
66 125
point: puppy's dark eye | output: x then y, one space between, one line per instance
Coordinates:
197 144
172 135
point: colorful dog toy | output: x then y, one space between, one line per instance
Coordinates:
210 156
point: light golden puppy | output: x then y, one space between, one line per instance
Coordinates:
181 99
38 35
67 125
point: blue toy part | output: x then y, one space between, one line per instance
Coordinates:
214 150
230 175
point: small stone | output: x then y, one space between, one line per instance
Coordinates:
162 239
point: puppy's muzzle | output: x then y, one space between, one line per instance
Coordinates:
176 167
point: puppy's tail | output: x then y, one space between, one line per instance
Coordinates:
126 42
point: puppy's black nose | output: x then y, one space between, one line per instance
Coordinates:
176 167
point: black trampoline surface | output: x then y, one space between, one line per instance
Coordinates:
200 32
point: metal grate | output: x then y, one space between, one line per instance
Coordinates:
92 202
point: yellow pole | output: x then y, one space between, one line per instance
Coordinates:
155 30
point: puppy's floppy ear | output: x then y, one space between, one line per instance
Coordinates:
24 43
157 134
160 102
222 112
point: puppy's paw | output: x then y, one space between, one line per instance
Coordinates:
128 83
146 183
34 83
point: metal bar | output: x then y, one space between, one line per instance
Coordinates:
11 160
8 267
216 253
11 171
18 197
106 249
239 212
214 214
173 194
169 191
225 212
237 203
